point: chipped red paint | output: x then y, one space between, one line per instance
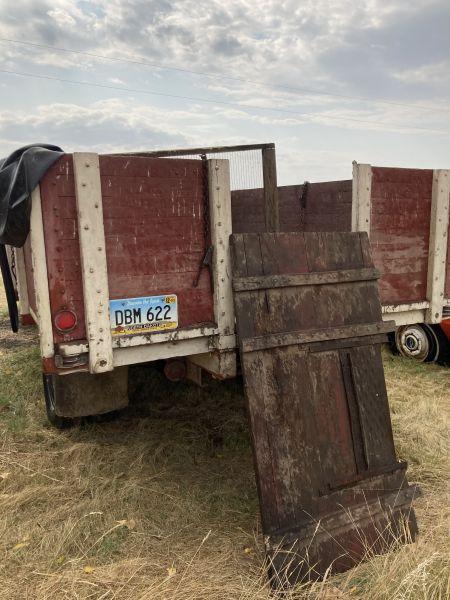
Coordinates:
154 231
323 206
399 236
26 320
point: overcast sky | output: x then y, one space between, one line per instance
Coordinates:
329 81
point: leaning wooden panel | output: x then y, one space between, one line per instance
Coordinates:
329 483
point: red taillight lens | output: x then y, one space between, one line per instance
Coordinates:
65 321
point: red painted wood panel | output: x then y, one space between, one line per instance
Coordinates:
399 237
323 206
154 231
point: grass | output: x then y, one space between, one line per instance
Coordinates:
162 503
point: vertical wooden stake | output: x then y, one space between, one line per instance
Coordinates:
271 210
40 276
93 260
361 197
22 286
437 254
220 214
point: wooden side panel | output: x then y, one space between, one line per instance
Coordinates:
312 207
154 213
62 244
154 229
328 478
400 225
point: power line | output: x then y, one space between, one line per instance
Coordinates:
289 88
211 101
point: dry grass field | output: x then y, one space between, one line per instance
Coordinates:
161 504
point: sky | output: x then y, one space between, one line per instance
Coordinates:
329 81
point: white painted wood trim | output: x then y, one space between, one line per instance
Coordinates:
40 276
408 317
219 363
221 229
437 254
93 260
361 197
150 352
397 308
22 286
73 348
33 314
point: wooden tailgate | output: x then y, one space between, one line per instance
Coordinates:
310 332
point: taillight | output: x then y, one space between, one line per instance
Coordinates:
65 320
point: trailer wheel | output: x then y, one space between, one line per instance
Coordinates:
49 393
418 341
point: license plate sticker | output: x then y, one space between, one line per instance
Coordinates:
143 315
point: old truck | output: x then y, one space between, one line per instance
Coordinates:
128 260
154 257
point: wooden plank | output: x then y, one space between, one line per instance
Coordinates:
271 210
437 256
191 151
93 261
368 380
361 197
277 281
275 340
220 216
40 276
328 404
22 286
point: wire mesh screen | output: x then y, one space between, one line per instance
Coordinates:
245 167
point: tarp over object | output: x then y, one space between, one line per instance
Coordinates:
19 175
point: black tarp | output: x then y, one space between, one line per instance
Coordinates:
19 175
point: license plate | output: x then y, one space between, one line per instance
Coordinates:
143 315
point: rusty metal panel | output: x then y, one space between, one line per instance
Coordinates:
310 337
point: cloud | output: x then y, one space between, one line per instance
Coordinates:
104 126
398 50
331 44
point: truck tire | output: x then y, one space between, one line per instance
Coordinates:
420 342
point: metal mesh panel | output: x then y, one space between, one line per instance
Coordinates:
245 167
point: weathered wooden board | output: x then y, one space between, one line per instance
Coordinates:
154 224
323 206
400 232
330 485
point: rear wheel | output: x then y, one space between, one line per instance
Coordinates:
419 341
